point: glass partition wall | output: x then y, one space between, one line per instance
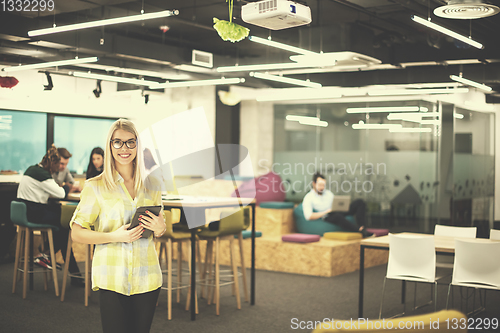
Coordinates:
395 158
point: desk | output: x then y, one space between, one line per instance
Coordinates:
444 245
198 205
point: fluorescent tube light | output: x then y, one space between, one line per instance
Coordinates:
387 109
50 64
113 78
470 83
458 116
101 23
261 67
361 125
197 83
446 31
286 80
293 94
410 130
320 123
299 118
278 45
413 116
389 92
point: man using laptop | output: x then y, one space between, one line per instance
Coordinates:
318 202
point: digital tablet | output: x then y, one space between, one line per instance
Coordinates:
142 211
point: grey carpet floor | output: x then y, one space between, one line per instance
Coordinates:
281 300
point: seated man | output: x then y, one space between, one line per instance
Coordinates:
317 204
62 176
35 189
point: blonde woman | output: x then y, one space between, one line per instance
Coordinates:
125 268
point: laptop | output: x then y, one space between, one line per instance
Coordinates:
341 203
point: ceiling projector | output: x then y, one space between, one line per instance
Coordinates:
276 14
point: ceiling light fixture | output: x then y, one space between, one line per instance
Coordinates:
458 116
362 125
410 130
389 92
282 46
101 23
50 64
293 94
470 83
310 122
299 118
49 85
261 67
418 115
446 31
98 90
113 78
288 80
387 109
197 83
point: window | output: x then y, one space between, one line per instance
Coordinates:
80 135
23 137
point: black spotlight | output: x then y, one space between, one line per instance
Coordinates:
97 91
49 85
146 99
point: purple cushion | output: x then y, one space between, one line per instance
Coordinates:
300 238
378 232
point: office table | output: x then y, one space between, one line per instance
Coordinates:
197 206
444 245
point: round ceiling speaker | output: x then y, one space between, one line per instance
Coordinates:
466 9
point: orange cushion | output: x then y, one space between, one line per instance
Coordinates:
339 235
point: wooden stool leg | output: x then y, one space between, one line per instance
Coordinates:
53 258
203 271
26 259
188 302
235 272
66 266
169 278
87 273
243 268
209 279
179 270
18 255
45 284
217 275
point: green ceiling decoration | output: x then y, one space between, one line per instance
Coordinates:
230 31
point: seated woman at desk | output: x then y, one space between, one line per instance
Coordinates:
96 163
125 268
35 188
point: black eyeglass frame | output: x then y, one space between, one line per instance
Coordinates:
124 142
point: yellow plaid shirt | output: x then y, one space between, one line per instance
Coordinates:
126 268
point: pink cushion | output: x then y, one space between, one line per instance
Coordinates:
265 188
378 232
300 238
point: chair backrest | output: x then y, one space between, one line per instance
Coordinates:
495 234
411 258
455 232
67 212
231 222
477 262
168 216
18 213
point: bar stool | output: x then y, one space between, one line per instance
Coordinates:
25 228
67 211
166 248
231 224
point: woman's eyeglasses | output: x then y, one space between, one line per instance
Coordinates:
117 143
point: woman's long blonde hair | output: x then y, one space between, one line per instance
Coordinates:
108 174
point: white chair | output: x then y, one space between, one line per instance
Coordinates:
411 258
455 232
495 234
477 265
